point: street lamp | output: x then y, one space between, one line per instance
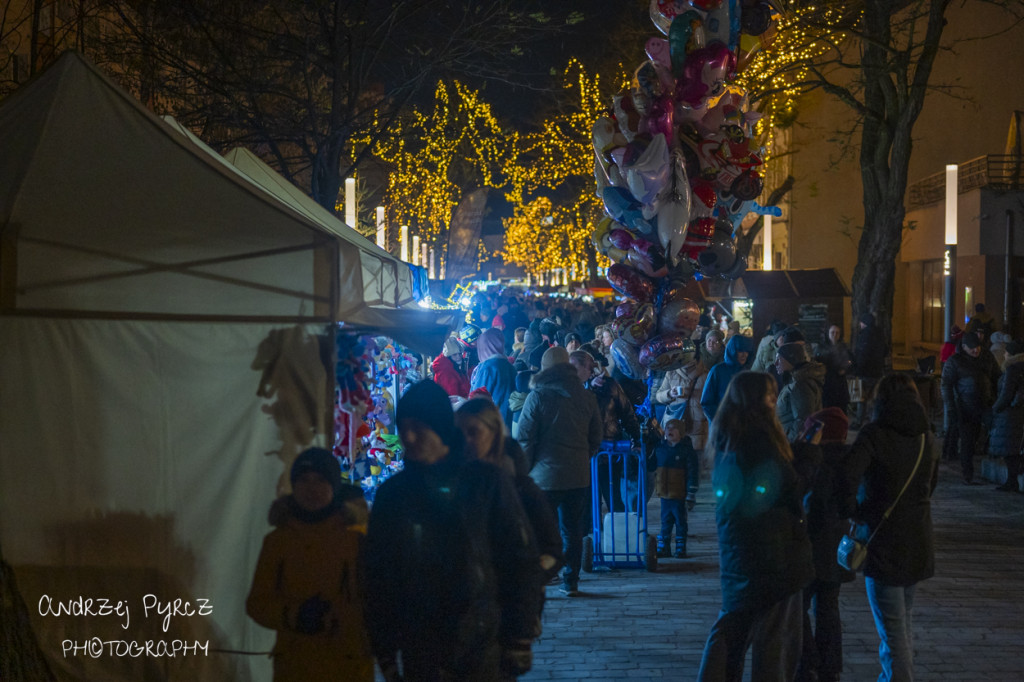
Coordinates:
949 258
350 202
766 234
382 229
415 249
403 238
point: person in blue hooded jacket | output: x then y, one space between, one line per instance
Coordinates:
736 353
495 372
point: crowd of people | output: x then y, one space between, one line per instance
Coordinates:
493 504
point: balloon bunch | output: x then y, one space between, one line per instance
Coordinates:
677 169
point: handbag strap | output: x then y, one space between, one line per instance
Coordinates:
906 485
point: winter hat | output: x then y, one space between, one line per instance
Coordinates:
836 424
793 353
556 355
451 347
523 381
480 393
1000 337
427 402
548 327
537 355
970 340
792 335
319 461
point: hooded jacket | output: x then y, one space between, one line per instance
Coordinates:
872 475
721 374
449 376
302 560
800 397
559 429
495 372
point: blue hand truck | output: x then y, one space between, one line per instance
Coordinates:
625 543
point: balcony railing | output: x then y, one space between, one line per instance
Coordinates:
998 171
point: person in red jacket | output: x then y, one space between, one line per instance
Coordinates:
449 369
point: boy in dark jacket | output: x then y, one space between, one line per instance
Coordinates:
677 480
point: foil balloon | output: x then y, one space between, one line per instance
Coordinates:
621 206
625 308
674 210
685 37
631 283
606 137
698 238
626 360
650 173
720 254
626 117
664 11
722 23
657 50
636 329
704 74
602 240
679 315
667 352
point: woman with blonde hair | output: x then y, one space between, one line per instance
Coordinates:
483 432
764 551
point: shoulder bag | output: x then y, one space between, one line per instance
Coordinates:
852 553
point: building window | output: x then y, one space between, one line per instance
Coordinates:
931 293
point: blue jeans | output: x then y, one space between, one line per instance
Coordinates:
673 515
573 523
892 607
775 634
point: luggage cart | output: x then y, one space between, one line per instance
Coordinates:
620 538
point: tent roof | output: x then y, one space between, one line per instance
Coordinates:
105 208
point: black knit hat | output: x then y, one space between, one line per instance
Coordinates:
428 402
319 461
793 353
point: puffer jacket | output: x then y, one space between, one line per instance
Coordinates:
1008 411
968 385
764 550
559 429
452 570
872 475
678 474
721 374
285 579
800 397
691 378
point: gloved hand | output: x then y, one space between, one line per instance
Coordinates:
691 501
517 657
310 618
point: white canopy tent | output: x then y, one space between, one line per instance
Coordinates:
147 291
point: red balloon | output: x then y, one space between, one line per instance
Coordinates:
629 282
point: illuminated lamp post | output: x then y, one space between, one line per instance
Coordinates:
415 249
350 202
949 258
766 234
403 239
382 229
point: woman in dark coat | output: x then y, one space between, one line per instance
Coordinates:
1007 433
764 552
892 451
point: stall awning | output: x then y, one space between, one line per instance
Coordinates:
773 284
421 330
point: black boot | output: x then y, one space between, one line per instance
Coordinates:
1013 467
680 548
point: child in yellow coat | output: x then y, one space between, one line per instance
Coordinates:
307 585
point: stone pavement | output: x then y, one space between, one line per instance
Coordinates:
629 624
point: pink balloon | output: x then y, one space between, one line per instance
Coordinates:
657 50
